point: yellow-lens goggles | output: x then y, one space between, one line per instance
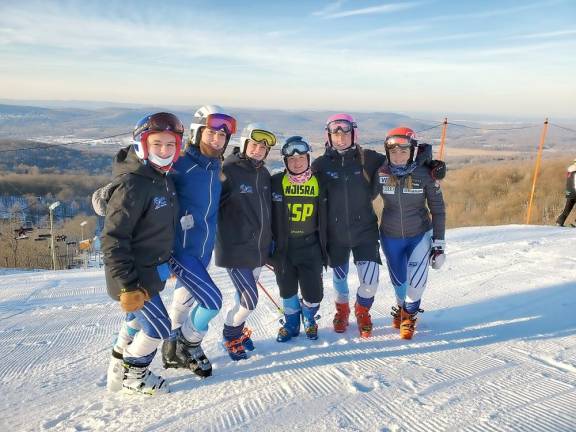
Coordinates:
261 135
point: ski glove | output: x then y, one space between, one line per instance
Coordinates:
437 256
133 301
187 222
437 169
100 199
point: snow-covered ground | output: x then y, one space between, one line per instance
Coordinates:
495 351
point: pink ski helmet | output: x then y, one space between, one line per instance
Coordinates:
344 118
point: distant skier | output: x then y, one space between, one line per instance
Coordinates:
299 233
410 239
137 241
244 230
197 299
570 193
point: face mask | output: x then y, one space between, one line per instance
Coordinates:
160 162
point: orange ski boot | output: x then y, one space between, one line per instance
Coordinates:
396 316
364 320
408 324
341 317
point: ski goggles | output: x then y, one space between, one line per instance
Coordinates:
260 135
160 122
295 145
340 125
398 142
221 122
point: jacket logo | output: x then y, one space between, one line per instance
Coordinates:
276 197
333 174
160 202
246 189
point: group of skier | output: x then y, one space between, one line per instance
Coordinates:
169 208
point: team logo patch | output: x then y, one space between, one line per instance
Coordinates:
160 202
332 174
246 189
276 197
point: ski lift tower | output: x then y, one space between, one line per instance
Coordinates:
51 208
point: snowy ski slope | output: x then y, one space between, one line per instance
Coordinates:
495 351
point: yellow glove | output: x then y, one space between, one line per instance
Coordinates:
133 301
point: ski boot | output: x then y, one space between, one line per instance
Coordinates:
233 337
309 318
180 354
290 327
364 320
115 373
396 316
140 380
341 317
247 339
408 324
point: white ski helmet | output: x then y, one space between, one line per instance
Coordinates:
214 117
256 132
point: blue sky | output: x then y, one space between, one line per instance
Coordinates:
496 57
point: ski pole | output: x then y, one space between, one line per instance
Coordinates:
269 267
270 297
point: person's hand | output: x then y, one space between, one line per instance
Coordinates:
133 301
437 255
437 169
187 222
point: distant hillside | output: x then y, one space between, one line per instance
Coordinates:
22 156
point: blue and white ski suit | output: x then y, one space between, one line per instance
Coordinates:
197 181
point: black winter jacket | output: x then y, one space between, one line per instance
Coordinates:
138 233
244 231
347 177
280 222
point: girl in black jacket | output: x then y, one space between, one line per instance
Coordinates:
244 230
299 233
137 241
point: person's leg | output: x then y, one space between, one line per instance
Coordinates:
570 202
339 259
367 260
197 300
311 286
246 299
397 262
155 326
287 280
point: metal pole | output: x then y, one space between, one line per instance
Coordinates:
536 170
52 242
443 139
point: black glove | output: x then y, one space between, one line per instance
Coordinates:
437 169
437 256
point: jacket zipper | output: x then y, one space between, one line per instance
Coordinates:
206 215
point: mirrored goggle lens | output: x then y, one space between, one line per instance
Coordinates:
166 122
260 135
220 122
339 125
299 147
401 142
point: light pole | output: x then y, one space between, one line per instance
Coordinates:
82 225
51 207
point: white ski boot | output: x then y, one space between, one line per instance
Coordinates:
115 373
140 380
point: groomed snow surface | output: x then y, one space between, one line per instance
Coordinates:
494 351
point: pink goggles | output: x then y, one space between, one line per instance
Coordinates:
221 122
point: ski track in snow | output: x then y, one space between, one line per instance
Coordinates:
494 351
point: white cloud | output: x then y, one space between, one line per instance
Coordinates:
334 11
